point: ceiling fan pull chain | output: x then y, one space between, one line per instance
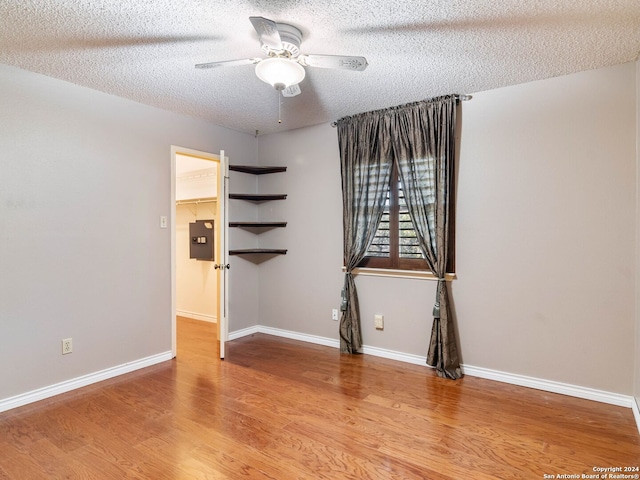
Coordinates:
279 107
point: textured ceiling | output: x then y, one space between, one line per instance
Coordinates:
145 50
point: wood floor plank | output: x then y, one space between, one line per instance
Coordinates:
19 464
281 409
365 453
124 461
497 425
17 432
246 463
4 475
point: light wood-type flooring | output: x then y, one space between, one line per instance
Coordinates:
282 409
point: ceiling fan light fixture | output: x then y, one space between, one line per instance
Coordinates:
280 72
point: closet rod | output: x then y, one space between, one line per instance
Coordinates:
196 201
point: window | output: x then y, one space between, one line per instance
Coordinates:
395 245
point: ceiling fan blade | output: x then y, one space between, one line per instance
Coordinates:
267 32
334 61
291 91
229 63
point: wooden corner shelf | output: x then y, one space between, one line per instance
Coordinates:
258 251
258 227
255 170
257 198
258 255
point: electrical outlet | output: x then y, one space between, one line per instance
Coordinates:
379 322
334 314
67 345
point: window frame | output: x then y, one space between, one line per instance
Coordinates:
394 261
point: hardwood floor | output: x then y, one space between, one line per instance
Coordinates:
282 409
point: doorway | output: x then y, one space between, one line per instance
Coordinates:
198 287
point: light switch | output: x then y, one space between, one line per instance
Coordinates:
163 221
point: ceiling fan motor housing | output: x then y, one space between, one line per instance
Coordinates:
291 38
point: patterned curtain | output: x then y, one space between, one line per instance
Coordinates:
366 170
419 140
424 150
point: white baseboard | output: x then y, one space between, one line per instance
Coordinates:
303 337
74 383
242 333
511 378
636 411
550 386
197 316
393 355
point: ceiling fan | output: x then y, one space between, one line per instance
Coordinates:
283 69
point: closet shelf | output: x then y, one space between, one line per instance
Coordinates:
254 170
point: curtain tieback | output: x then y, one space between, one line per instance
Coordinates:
344 300
436 306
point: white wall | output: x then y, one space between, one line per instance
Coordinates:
84 178
298 290
546 229
545 236
243 274
196 280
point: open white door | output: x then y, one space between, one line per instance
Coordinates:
223 253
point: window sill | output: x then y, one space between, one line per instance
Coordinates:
385 272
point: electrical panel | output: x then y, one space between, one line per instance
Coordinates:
201 240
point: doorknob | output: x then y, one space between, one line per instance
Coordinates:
222 266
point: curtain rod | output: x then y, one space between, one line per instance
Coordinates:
461 97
